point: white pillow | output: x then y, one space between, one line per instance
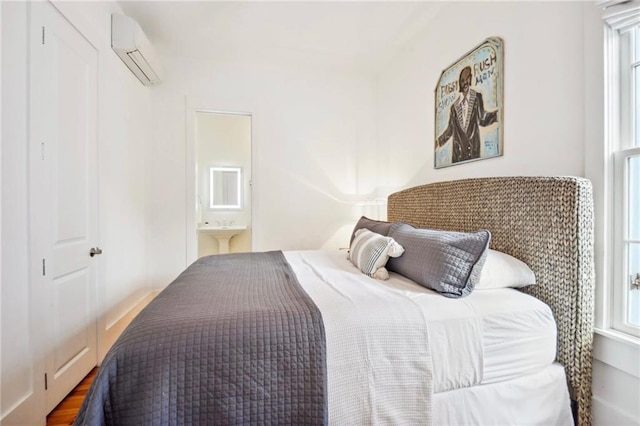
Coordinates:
369 252
501 270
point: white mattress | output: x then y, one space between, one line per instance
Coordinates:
515 334
540 398
487 337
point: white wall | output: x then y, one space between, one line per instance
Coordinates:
543 86
123 123
313 130
553 112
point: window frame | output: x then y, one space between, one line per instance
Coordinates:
621 130
621 272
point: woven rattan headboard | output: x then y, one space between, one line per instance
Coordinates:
547 222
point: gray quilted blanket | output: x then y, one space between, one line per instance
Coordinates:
233 340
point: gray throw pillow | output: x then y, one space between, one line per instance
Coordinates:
445 261
377 226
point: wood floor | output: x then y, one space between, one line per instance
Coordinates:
66 411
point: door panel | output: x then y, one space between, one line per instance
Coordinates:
70 324
70 103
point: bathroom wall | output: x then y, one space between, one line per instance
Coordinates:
223 140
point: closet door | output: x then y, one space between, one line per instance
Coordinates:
63 196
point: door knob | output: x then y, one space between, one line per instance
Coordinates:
94 251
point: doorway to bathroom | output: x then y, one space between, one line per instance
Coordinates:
222 195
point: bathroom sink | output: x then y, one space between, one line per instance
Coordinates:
223 233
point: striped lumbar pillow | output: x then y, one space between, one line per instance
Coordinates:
369 252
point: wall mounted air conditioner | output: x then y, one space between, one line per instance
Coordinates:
135 50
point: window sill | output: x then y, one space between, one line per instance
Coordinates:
618 336
618 350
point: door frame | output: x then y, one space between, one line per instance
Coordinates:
39 221
193 105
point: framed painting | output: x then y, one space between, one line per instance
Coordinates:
469 107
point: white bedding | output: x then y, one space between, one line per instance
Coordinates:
369 380
507 332
541 398
489 336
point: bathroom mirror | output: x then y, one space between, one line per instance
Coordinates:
225 188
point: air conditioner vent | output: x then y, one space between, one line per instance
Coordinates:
133 47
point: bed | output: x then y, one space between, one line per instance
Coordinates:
303 337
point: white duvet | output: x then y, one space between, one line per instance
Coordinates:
392 344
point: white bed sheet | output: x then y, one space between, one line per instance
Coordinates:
487 337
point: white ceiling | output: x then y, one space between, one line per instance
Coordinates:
359 33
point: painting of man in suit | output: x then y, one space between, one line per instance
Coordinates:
466 116
468 107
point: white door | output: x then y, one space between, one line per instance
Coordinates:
63 196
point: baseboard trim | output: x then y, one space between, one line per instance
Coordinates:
605 413
113 331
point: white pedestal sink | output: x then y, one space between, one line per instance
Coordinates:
222 233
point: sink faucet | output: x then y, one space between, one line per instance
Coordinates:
224 222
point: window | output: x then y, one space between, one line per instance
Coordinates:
622 54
